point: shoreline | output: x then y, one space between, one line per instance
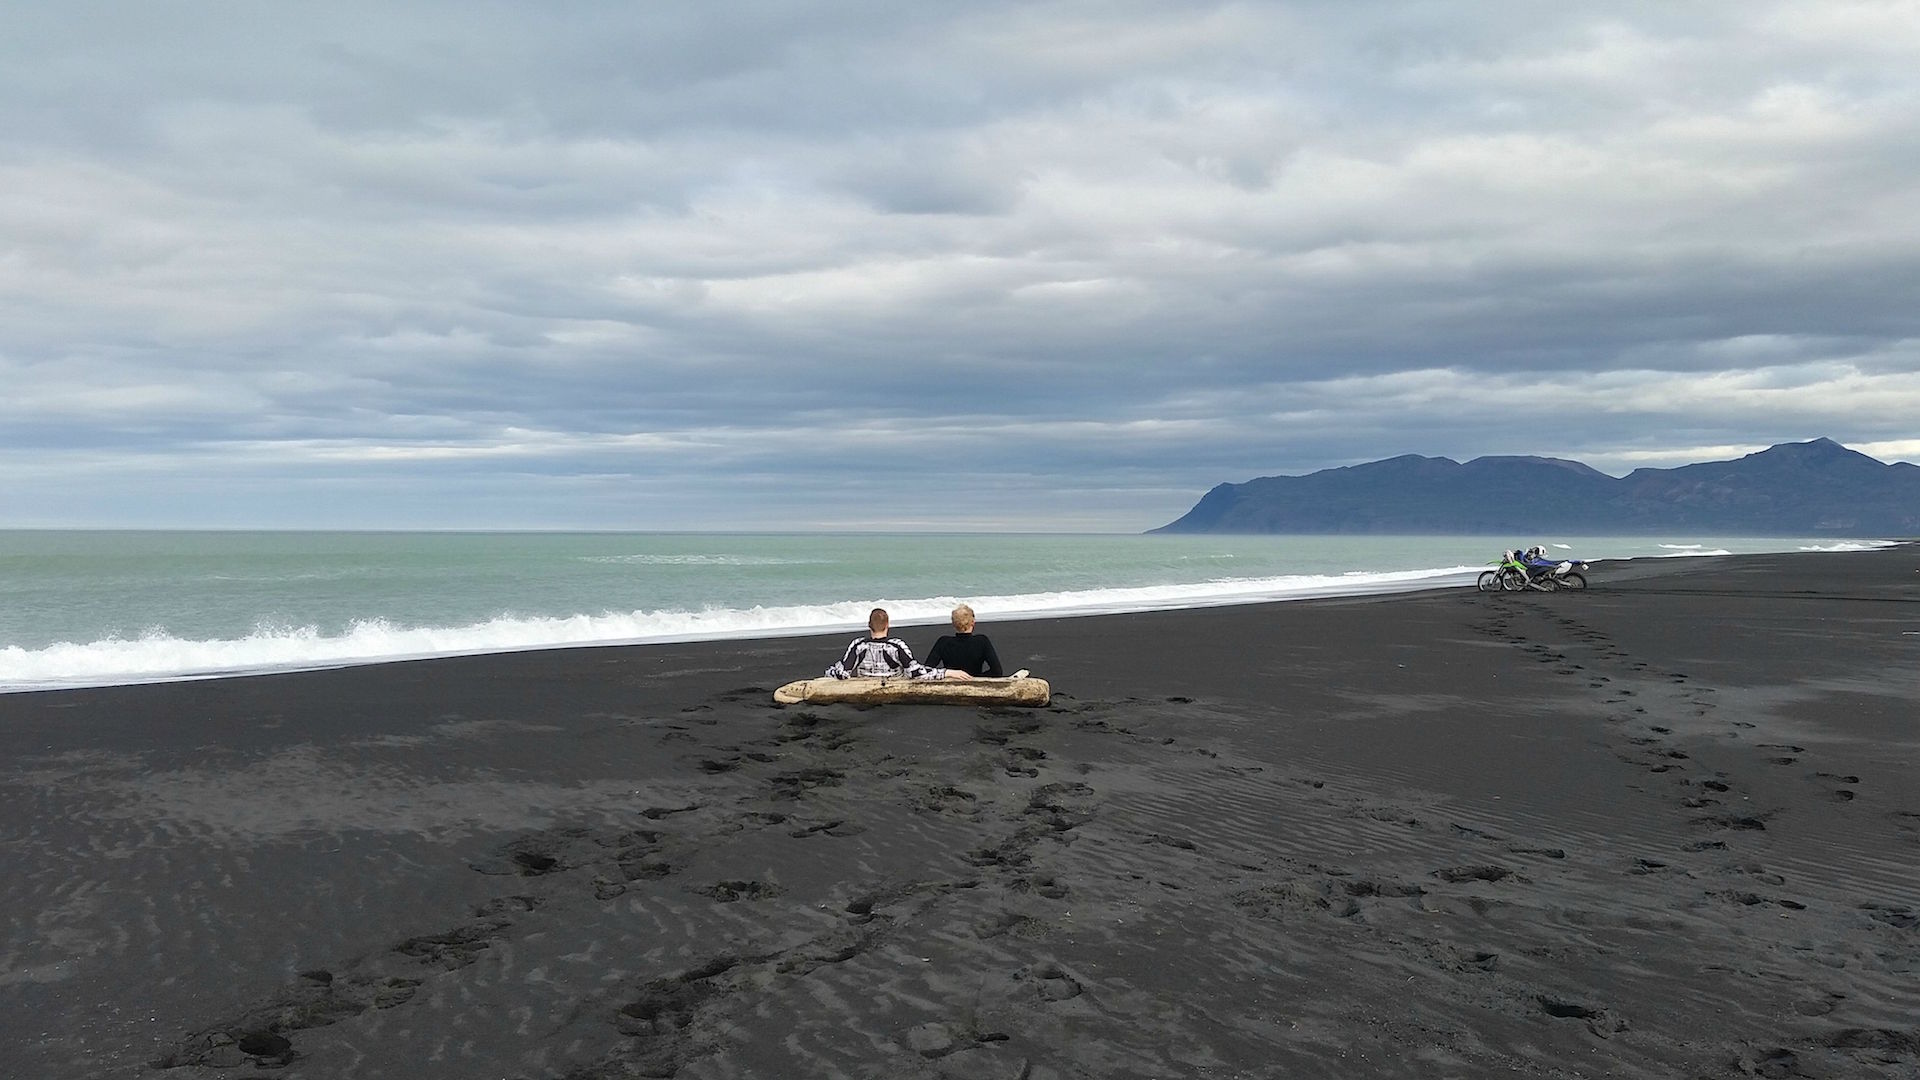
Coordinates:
932 626
293 637
1665 827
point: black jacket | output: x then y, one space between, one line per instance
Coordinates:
971 653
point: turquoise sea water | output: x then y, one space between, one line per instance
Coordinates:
92 608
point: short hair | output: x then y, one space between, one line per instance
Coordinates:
963 618
878 619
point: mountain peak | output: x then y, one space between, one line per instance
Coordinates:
1811 488
1815 452
1533 460
1812 448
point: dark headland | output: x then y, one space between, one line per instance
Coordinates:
1816 488
1666 828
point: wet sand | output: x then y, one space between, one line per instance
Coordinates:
1666 828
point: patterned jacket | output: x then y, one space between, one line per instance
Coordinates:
872 657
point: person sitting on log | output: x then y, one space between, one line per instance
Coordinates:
964 653
880 655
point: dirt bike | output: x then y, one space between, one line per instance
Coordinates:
1493 580
1507 575
1515 574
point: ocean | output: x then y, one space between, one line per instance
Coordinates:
86 608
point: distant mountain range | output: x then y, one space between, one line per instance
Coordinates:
1794 489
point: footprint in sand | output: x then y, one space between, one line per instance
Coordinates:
1756 871
945 799
1729 821
1748 899
744 693
537 854
1899 916
727 892
1841 794
793 784
455 948
1008 923
1040 885
1483 872
1819 1006
837 827
1052 981
657 1021
834 947
1601 1022
1011 853
319 998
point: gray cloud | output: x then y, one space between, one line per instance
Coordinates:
663 267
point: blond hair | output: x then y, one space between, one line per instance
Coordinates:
963 619
878 620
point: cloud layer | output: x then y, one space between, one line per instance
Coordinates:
1018 265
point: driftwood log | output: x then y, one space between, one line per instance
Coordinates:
1018 691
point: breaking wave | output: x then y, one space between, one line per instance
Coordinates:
697 560
158 656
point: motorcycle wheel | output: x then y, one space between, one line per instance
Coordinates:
1573 580
1510 581
1489 581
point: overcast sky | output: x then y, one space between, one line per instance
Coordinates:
902 265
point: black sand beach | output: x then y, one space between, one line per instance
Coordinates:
1666 828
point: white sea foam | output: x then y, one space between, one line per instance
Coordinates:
157 656
1683 551
1852 545
651 559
